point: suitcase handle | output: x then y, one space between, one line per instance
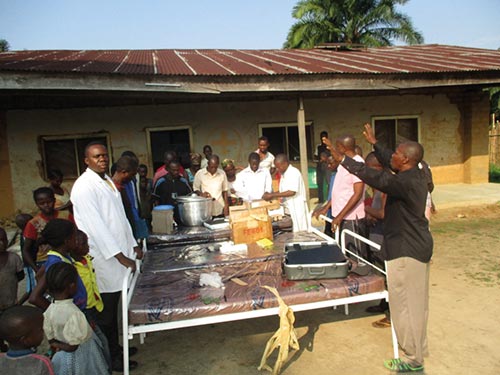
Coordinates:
316 271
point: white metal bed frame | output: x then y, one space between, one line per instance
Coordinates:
130 281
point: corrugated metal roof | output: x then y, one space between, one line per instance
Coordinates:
168 62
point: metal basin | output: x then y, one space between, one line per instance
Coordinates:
194 210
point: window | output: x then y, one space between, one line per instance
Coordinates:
177 139
392 131
67 153
284 139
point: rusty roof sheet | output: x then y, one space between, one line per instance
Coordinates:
217 62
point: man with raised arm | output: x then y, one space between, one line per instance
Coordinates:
407 242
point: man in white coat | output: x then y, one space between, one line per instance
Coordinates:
293 192
99 212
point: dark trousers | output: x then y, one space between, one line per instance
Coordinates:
320 181
107 320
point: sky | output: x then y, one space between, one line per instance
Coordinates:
224 24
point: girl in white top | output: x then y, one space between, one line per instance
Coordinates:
78 350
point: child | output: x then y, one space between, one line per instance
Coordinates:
78 351
22 327
11 272
21 221
83 264
62 194
59 234
34 253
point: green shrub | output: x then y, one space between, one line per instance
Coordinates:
494 175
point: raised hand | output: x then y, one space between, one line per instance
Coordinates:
369 134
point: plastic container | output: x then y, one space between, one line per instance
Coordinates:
163 219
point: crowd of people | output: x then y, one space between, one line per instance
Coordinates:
77 248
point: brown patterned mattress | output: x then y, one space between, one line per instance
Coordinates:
176 295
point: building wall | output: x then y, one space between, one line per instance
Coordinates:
232 130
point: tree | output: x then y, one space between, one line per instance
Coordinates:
373 23
4 45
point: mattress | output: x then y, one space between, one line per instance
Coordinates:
176 295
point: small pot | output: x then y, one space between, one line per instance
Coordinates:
194 210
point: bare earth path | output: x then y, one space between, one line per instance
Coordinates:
464 323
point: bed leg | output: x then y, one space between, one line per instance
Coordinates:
141 338
346 309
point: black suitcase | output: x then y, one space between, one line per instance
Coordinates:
314 260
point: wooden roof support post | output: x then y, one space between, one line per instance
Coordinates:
301 122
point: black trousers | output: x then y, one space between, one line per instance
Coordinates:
107 320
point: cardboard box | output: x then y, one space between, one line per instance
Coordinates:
250 225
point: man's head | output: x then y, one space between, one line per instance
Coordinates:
213 164
169 156
22 327
126 169
254 161
407 156
263 144
332 163
97 158
45 200
173 169
323 135
207 151
142 171
345 144
358 150
281 162
371 161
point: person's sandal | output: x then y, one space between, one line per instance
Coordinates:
399 366
382 323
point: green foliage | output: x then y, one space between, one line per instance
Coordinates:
373 23
494 174
495 101
4 45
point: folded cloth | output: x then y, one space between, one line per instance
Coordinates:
211 279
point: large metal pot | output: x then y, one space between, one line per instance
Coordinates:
194 210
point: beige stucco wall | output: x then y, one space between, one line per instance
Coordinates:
232 130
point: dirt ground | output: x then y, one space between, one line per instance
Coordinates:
463 332
464 323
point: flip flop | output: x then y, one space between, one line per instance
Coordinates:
382 323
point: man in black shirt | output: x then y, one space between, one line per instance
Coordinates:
171 186
407 242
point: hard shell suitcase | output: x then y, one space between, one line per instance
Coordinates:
314 260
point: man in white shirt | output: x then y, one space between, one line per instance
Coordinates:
252 182
211 182
99 212
293 192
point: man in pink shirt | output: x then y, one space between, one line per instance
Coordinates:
347 202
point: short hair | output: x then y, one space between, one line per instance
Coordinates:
253 156
324 133
281 158
413 151
129 153
43 190
59 276
264 138
348 141
207 146
17 320
126 164
174 162
91 144
57 231
54 173
143 166
214 158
